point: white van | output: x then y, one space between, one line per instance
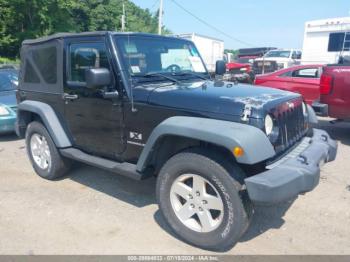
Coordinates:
325 41
211 49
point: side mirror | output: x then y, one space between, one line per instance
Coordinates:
220 68
97 77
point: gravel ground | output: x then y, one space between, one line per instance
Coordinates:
94 212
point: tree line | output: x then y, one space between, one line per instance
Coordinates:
27 19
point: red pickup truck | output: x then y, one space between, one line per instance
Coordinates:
334 92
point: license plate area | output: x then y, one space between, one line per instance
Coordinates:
292 154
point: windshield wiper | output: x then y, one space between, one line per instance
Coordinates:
155 74
182 73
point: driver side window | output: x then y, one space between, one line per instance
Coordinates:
83 56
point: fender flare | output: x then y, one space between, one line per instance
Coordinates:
254 142
312 118
49 118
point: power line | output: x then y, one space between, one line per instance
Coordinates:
154 4
209 25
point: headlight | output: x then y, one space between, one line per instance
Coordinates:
304 109
268 125
4 111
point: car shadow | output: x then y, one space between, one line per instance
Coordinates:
137 193
142 193
338 131
263 219
266 218
8 137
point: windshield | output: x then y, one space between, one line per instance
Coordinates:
274 53
146 55
8 80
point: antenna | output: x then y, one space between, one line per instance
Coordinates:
123 18
160 17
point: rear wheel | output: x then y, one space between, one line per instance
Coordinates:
43 154
201 200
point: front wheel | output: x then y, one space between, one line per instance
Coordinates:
200 200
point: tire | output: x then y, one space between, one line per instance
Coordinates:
226 226
45 158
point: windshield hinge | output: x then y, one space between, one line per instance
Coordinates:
246 113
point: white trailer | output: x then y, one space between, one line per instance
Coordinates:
326 40
211 49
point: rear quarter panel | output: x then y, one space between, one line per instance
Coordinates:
309 88
282 83
339 98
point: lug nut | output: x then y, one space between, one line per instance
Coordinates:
192 205
190 196
205 202
200 209
197 193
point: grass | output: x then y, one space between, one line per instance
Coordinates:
5 60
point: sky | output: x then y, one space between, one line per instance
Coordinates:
255 22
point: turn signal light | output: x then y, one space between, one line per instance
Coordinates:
238 151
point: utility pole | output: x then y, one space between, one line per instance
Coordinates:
123 18
160 17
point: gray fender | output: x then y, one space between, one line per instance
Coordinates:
254 142
311 115
50 120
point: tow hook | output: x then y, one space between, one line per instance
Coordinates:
246 113
303 159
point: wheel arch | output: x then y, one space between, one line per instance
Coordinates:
223 135
169 145
29 111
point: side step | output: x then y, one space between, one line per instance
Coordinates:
125 169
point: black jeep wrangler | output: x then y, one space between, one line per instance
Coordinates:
141 105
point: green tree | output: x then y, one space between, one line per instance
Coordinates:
24 19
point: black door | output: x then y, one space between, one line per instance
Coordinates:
95 123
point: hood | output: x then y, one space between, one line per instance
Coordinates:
278 59
213 97
8 98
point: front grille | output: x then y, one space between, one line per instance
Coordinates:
291 123
264 67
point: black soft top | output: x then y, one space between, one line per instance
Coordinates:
42 60
95 33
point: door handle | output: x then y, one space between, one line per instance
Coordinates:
112 94
69 97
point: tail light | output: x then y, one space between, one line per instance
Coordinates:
326 84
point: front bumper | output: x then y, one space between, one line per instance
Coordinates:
295 173
320 109
7 124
